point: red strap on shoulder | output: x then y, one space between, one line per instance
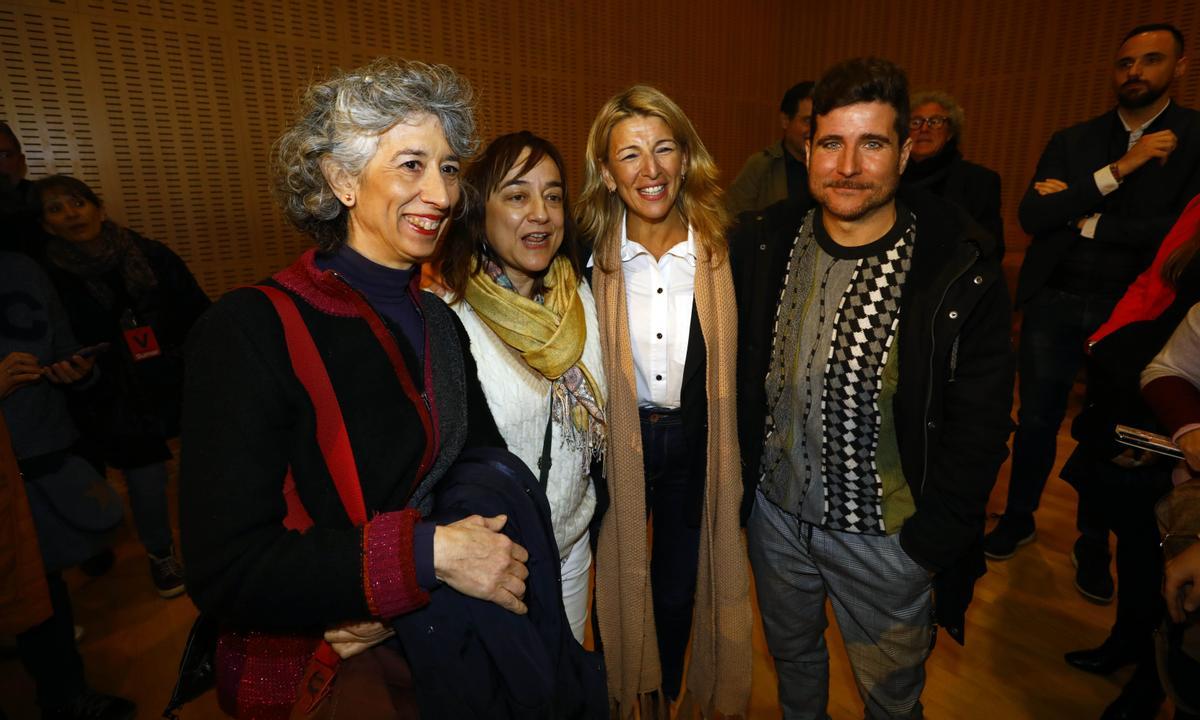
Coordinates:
334 442
297 517
332 437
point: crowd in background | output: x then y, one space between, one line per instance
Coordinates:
406 456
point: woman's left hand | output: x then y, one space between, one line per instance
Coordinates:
71 370
352 638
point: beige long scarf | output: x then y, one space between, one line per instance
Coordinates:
718 677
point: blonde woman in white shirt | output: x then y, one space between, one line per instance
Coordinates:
664 296
512 267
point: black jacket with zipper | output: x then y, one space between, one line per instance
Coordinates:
954 396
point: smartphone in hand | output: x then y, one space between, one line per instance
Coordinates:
92 350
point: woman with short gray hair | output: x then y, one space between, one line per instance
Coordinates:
936 163
386 394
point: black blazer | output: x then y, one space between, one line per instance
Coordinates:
693 405
1138 214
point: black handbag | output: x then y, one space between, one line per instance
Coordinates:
197 667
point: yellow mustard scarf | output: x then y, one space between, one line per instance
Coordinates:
549 336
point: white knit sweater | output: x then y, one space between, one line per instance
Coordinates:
519 398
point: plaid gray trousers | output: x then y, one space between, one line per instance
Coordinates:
881 597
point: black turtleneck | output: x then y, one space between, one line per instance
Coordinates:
386 289
931 173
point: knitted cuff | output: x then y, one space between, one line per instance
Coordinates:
389 572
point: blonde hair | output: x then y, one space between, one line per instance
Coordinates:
699 202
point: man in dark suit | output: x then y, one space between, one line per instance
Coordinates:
1104 194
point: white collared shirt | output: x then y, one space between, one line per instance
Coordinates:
658 298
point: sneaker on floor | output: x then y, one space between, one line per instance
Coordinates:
167 574
1092 577
1010 533
91 705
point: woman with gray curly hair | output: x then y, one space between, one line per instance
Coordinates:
323 405
937 165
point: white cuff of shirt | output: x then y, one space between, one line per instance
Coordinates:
1105 181
1088 229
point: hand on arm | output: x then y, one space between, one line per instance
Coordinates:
1181 586
1153 145
17 370
1049 186
475 558
352 638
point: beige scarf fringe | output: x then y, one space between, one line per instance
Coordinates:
718 675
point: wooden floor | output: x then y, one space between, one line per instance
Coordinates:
1026 614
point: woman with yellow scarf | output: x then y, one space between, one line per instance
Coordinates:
512 268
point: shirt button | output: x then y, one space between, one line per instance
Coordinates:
932 425
660 291
762 247
978 279
658 377
659 336
953 314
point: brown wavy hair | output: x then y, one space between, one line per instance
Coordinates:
699 202
466 242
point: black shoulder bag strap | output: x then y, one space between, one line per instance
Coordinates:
545 461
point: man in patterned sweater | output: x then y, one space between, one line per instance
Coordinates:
874 403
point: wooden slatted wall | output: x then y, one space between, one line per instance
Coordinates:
1020 68
169 108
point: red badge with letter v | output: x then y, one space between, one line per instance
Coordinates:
142 342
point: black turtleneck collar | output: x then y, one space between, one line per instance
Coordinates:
375 281
386 289
930 173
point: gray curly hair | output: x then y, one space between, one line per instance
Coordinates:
342 118
954 111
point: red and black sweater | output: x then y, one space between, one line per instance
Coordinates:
247 420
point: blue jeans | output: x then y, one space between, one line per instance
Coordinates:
1054 332
676 545
148 499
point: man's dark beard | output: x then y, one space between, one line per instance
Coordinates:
1145 99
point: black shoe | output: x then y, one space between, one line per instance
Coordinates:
91 705
1010 533
1092 578
98 564
1140 699
167 574
1103 660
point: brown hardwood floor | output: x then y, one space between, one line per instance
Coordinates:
1026 614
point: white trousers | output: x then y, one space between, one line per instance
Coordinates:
574 570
